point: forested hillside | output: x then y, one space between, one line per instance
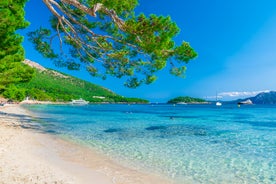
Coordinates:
186 99
50 85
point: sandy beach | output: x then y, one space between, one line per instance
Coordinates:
28 155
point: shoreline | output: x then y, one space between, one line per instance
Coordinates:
31 156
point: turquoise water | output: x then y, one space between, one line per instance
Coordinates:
187 143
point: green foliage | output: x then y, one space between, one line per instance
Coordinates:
186 99
11 51
12 92
50 85
116 42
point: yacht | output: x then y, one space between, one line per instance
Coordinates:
246 102
79 102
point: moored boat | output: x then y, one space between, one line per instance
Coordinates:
246 102
79 102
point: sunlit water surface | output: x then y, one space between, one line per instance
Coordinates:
187 143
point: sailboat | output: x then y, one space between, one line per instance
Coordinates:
218 103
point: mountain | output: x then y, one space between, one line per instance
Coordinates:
50 85
261 98
264 98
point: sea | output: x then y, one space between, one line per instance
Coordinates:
186 143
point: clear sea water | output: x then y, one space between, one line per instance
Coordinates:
187 143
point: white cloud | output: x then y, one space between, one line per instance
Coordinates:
241 93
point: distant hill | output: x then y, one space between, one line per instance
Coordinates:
50 85
186 99
264 98
261 98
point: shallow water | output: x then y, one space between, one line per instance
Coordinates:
187 143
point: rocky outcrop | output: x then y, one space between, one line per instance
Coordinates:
34 65
42 69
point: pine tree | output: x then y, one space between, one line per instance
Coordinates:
108 38
12 70
105 36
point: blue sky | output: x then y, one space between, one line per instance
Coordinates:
235 41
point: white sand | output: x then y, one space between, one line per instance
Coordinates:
30 156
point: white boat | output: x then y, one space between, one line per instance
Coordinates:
218 103
79 102
246 102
